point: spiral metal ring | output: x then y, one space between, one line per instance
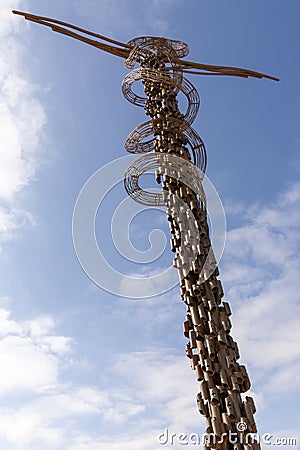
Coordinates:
135 142
183 85
171 166
181 48
167 51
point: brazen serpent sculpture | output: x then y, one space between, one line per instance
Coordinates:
178 155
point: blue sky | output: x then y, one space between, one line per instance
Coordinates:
82 369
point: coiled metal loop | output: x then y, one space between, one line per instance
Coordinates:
161 69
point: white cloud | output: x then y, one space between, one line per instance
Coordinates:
22 427
31 358
29 354
48 418
21 120
146 441
261 270
154 282
12 219
8 24
164 382
8 326
44 411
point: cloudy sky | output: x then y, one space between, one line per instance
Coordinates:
82 369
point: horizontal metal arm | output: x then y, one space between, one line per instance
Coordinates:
123 50
62 28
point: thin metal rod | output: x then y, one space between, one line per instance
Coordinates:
30 16
123 53
225 70
187 66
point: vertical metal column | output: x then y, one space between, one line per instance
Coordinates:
211 349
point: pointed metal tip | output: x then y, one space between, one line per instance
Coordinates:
15 11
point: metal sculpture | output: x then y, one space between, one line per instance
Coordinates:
211 349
